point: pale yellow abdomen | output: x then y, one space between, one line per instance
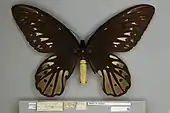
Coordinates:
83 72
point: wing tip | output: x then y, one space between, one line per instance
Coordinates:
16 7
21 6
151 7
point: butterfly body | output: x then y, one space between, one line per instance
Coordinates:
119 34
82 54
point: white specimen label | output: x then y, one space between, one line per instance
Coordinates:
120 109
50 106
81 106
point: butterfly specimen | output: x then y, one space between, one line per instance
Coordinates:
48 35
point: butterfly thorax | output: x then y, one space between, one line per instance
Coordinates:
81 51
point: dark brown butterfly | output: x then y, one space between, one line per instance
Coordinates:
47 35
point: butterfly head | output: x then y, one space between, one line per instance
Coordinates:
81 51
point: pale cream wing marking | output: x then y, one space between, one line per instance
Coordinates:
124 84
43 73
66 73
43 82
115 85
51 86
107 83
59 84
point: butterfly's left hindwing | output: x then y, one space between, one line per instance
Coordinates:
53 73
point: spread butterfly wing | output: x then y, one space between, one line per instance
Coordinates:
43 32
119 34
46 34
122 32
53 73
114 75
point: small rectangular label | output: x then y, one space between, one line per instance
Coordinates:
50 106
109 103
81 106
32 105
120 109
69 104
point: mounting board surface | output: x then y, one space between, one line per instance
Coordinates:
46 106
